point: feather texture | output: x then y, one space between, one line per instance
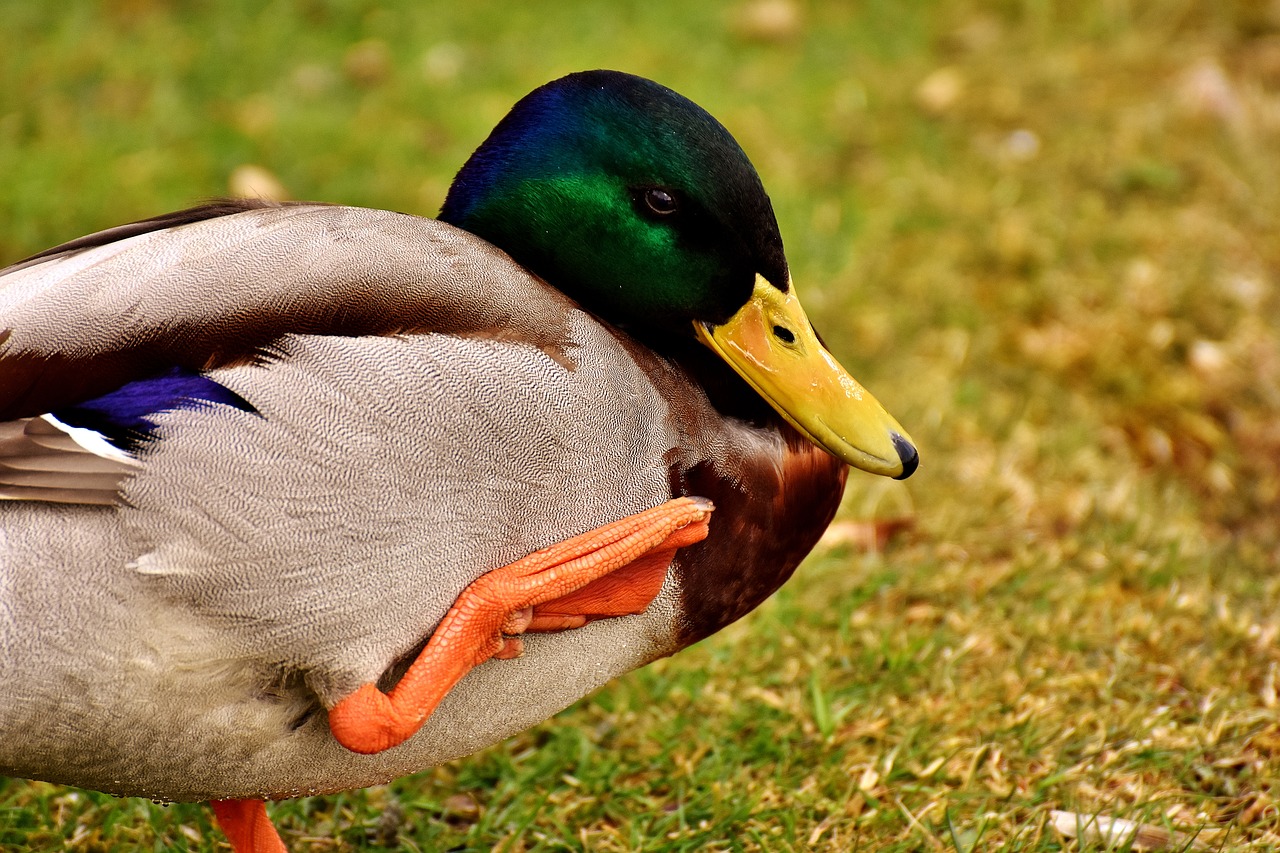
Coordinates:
261 564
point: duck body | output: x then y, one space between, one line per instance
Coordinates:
237 573
300 498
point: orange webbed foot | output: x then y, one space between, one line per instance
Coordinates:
612 570
247 826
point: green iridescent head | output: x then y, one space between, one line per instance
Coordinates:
625 195
637 203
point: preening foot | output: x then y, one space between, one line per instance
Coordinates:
610 571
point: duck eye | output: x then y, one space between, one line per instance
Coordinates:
660 201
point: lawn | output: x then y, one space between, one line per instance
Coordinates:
1044 234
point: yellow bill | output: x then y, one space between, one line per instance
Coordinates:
771 344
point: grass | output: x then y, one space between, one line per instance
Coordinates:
1043 233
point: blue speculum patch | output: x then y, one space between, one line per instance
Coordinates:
123 417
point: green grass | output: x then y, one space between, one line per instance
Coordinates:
1043 233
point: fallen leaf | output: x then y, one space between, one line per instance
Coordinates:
768 20
1116 832
461 808
867 535
941 90
250 181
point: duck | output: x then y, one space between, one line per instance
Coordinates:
300 498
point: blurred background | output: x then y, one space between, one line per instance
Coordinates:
1043 233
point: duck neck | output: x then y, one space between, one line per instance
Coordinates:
775 493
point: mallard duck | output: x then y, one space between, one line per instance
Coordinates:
303 498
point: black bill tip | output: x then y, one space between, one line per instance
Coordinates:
908 454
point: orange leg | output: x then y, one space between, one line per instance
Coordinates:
247 826
505 601
623 592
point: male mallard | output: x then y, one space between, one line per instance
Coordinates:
259 455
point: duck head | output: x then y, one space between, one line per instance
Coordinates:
638 204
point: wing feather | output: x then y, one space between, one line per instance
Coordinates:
95 315
40 462
223 285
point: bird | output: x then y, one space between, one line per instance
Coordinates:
301 497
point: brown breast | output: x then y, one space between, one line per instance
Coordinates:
774 491
766 521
